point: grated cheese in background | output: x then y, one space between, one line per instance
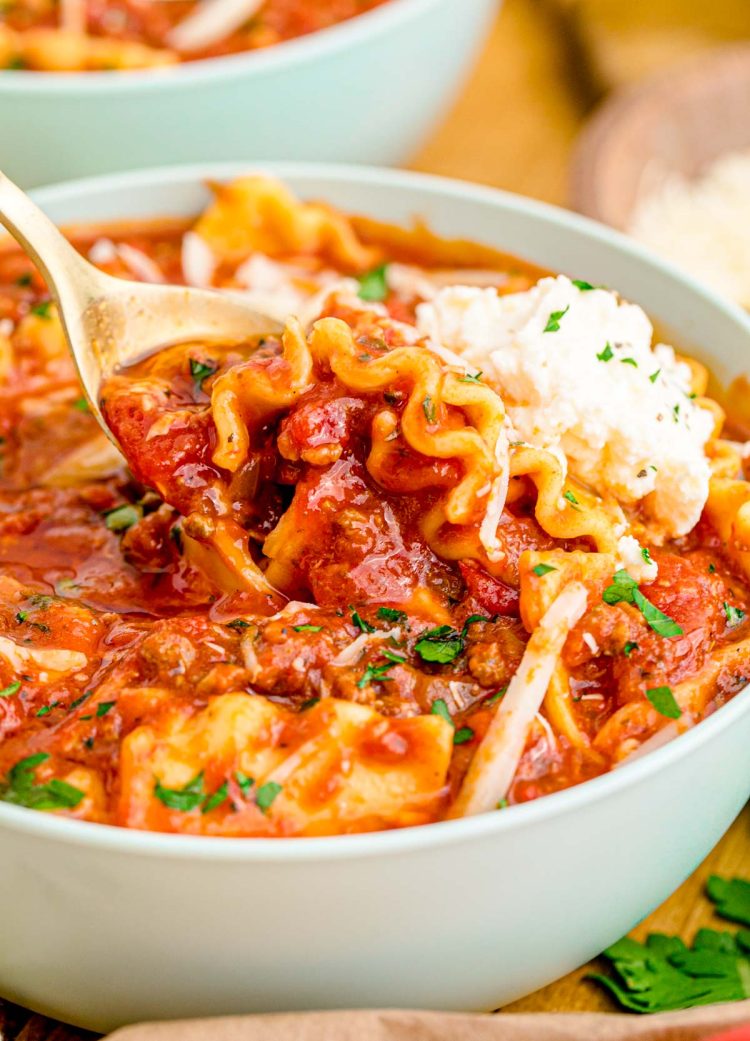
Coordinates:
703 224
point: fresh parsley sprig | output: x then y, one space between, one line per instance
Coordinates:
624 589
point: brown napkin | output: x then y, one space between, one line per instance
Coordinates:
691 1025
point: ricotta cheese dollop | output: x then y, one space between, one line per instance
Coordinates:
578 373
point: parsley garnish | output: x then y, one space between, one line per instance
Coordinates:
629 361
307 628
200 371
629 647
664 974
42 310
10 690
244 783
732 898
654 376
361 624
216 799
266 795
104 707
712 569
24 280
664 702
390 614
440 708
572 500
543 569
183 799
502 804
734 614
122 518
375 672
624 589
428 407
373 285
553 322
583 286
441 645
468 378
81 405
21 789
462 735
497 695
80 701
646 555
607 354
238 624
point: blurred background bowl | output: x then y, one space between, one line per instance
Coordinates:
675 123
368 90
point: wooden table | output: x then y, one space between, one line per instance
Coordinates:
545 65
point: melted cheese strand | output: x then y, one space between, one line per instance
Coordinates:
495 762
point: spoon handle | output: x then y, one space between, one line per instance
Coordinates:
66 273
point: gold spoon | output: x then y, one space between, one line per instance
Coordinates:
111 322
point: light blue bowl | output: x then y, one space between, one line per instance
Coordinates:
367 91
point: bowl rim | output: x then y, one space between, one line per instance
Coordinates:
441 833
314 46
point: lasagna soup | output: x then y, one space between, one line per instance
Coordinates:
457 534
107 35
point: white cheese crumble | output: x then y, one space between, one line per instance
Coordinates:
630 556
577 373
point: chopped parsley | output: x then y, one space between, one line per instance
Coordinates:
629 361
238 624
42 310
46 709
629 647
397 659
441 645
646 555
676 413
80 700
543 569
553 322
468 378
216 799
310 703
183 799
307 628
390 614
24 280
104 707
733 614
21 789
654 376
664 702
266 794
665 974
583 286
497 696
732 898
81 405
361 624
572 500
244 783
10 690
200 371
375 673
462 735
440 708
122 517
712 569
607 354
430 412
373 285
503 804
624 589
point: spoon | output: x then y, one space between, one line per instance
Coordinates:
111 322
